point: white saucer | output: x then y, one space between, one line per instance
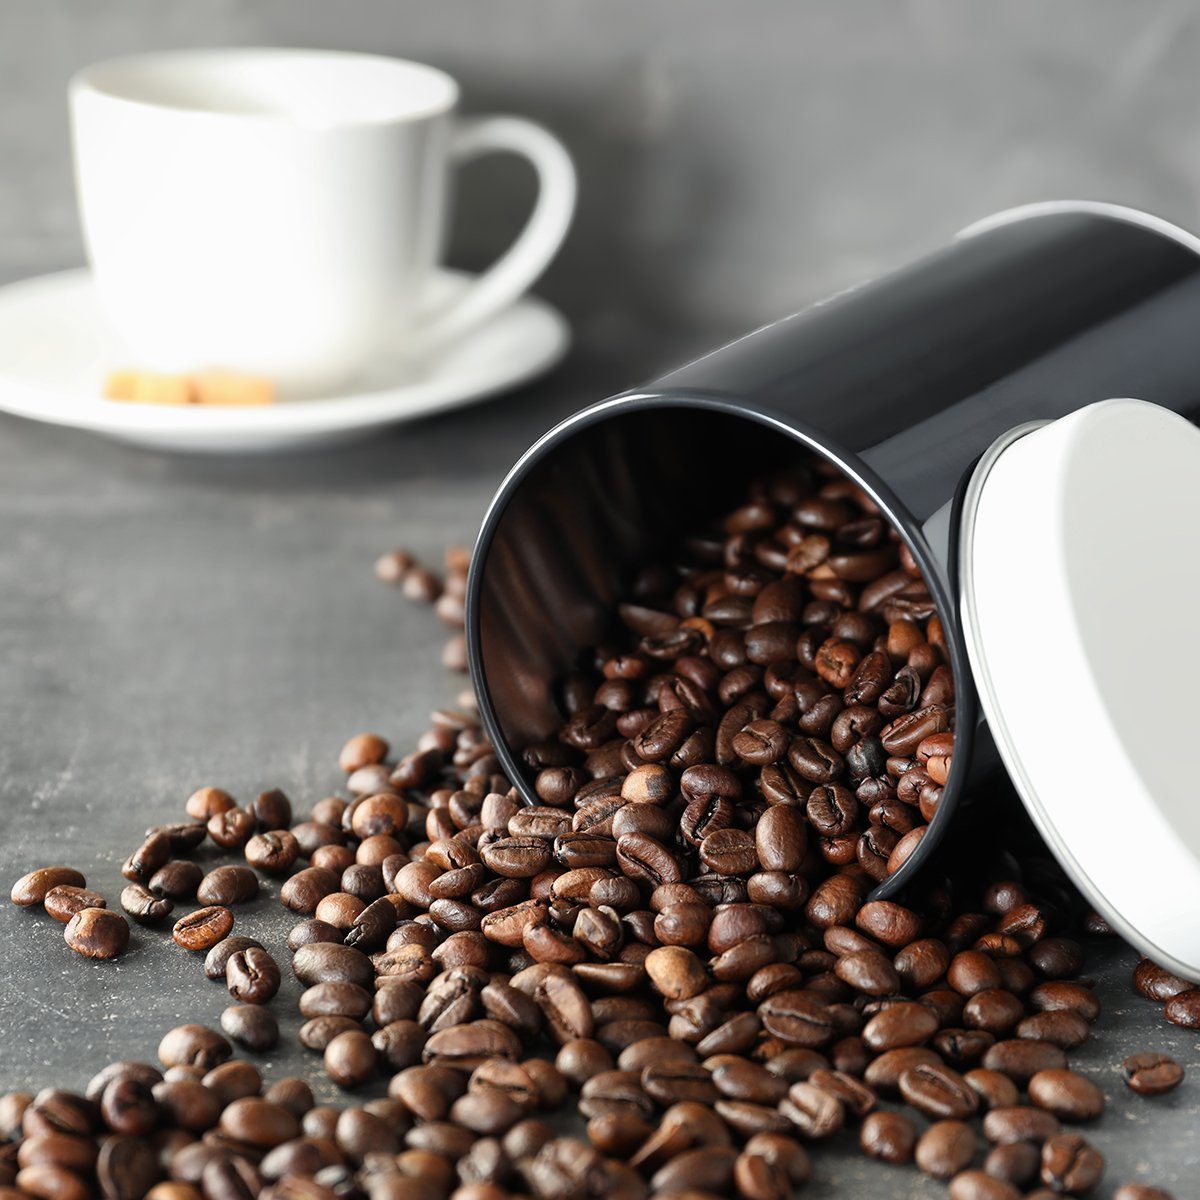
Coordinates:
56 350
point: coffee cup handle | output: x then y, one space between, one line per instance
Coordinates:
515 271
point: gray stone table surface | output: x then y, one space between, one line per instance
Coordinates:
172 622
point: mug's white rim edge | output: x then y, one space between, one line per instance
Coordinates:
82 84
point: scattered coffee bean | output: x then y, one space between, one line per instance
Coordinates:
97 933
202 929
143 905
32 888
1151 1074
64 901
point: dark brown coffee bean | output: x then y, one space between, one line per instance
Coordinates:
250 1025
1070 1164
994 1089
1019 1124
227 885
1184 1009
127 1167
1060 996
798 1018
1067 1094
905 1023
938 1092
252 976
326 962
32 888
64 901
274 851
888 1136
176 879
815 1113
194 1046
1021 1059
218 957
946 1148
1061 1028
1017 1163
995 1010
202 929
350 1059
856 1097
97 933
303 891
143 905
1151 1074
978 1185
870 972
970 972
1157 983
883 1073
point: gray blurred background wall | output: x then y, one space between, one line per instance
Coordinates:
738 157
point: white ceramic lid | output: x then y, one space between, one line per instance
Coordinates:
1080 575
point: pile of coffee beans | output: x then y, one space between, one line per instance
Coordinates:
447 594
666 978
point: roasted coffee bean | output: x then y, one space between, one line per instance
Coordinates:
868 971
97 933
1060 996
1059 1027
231 829
946 1148
1067 1094
814 1112
274 851
176 879
350 1059
327 962
1070 1164
32 888
856 1097
978 1185
1157 983
252 976
796 1017
1151 1074
303 891
994 1089
905 1023
1019 1124
126 1168
1021 1059
250 1025
1017 1163
143 905
888 1136
202 929
939 1092
64 901
218 957
227 885
1184 1009
193 1046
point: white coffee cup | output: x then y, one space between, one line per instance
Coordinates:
281 212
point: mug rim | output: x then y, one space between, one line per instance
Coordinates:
89 81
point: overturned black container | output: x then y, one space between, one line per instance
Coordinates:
915 385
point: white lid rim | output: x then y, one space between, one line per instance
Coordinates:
1002 735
